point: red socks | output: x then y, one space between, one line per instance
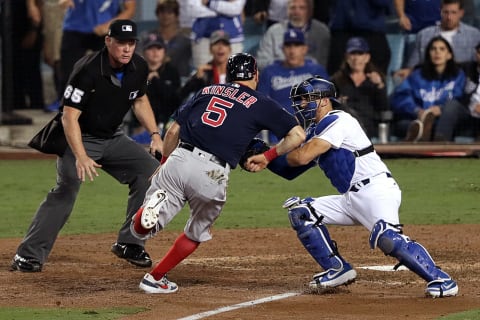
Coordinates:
182 248
137 225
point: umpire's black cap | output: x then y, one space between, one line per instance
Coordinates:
123 30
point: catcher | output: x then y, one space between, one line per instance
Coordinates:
368 193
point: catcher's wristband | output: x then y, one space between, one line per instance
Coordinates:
271 154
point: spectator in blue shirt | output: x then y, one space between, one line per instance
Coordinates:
277 78
429 96
360 18
84 28
413 16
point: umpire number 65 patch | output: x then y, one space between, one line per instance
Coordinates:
73 94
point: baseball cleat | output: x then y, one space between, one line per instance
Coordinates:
150 285
133 253
25 265
333 278
151 211
441 288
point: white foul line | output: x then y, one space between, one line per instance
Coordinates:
240 305
384 268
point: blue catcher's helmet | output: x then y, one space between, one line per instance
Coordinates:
305 94
241 66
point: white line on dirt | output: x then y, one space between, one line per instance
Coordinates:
384 268
240 305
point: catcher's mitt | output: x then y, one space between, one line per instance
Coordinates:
256 146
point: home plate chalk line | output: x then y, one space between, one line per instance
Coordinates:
205 314
384 268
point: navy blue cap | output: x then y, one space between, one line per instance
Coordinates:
293 36
357 44
152 40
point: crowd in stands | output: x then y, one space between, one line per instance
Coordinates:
434 94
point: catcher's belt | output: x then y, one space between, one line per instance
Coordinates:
364 182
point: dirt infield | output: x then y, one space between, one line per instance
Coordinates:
244 265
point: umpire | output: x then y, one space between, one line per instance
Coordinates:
102 88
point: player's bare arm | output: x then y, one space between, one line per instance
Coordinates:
143 112
309 151
294 138
171 139
85 165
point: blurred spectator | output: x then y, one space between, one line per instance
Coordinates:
468 121
366 19
187 15
471 15
299 13
211 16
215 70
277 79
430 94
414 15
52 35
323 10
361 86
85 26
461 36
269 11
27 42
178 46
162 91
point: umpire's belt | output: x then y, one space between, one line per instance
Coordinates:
213 158
364 182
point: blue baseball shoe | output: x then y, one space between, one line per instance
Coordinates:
442 288
333 278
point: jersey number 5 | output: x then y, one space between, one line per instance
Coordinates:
215 114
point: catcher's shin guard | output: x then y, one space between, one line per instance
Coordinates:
315 237
414 256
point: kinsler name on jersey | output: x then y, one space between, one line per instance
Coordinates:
231 92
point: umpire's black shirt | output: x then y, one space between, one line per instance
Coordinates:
103 94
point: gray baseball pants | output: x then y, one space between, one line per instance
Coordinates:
122 158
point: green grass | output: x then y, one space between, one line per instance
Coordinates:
435 191
66 313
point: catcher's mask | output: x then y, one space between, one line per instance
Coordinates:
304 97
304 101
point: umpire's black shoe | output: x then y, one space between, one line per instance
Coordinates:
25 265
133 253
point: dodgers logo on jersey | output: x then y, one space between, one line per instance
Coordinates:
133 95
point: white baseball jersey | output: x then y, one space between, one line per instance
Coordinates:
368 191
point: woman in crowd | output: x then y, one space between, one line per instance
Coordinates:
425 101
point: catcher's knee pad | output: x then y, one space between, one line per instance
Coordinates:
315 237
414 256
